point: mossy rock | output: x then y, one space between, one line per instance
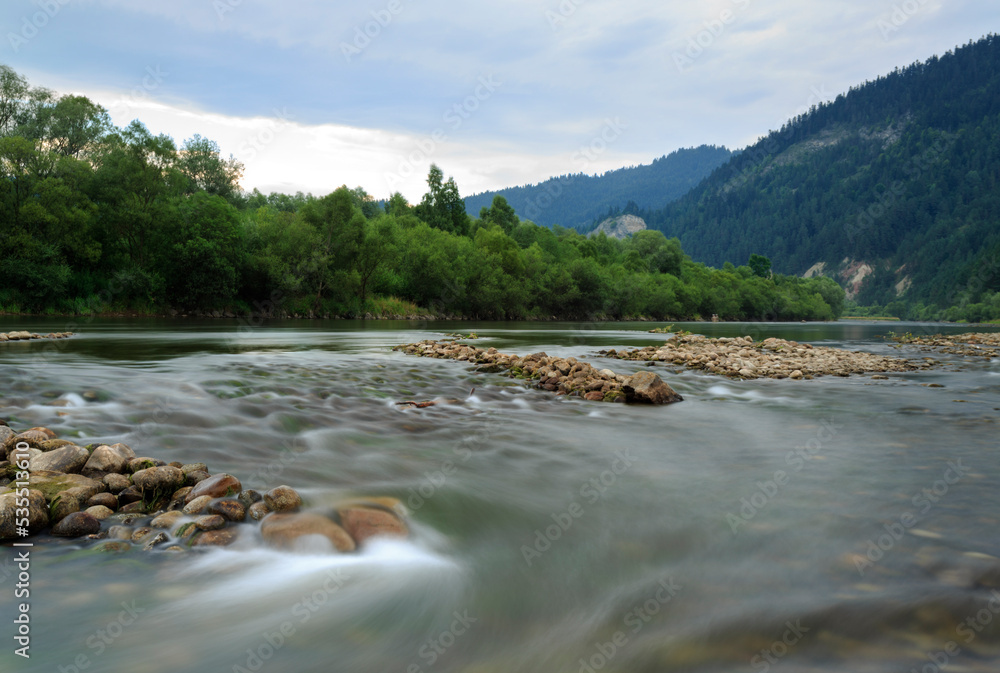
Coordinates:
51 484
614 396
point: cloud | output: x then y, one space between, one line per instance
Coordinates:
396 69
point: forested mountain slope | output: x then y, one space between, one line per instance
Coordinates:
579 201
901 173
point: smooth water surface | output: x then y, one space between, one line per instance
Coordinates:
839 524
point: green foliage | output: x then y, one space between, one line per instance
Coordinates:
97 218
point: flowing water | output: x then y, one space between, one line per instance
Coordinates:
839 524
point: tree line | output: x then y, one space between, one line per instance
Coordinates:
95 218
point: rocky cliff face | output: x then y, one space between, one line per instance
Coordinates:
622 226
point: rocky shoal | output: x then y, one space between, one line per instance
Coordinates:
973 343
30 336
742 357
563 376
108 494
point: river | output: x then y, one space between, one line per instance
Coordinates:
839 524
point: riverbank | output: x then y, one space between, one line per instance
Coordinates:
107 493
32 336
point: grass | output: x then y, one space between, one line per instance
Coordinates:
868 317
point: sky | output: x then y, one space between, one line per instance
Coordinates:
313 94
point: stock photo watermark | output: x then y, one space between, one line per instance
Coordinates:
770 489
635 620
701 41
365 34
435 647
273 640
895 530
454 117
901 13
767 657
33 24
592 491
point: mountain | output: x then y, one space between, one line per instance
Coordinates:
579 200
892 188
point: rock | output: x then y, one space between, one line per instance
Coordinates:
363 523
797 374
195 477
648 388
38 514
140 535
130 495
298 531
137 507
229 509
137 464
167 520
594 396
198 505
178 498
210 522
53 444
219 486
115 547
152 541
99 512
194 467
103 499
109 459
52 484
164 480
69 460
282 499
249 497
62 506
33 438
116 483
215 538
258 511
77 524
120 533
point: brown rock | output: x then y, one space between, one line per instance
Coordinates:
286 531
195 477
219 486
103 499
109 459
62 506
210 522
137 507
163 480
258 510
648 388
594 396
362 523
116 483
69 460
38 514
229 509
167 520
130 495
198 505
77 524
215 538
99 512
283 499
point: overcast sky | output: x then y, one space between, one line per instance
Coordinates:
312 94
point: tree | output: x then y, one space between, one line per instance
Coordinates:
501 214
760 265
442 206
201 162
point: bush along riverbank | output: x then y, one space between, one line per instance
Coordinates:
742 357
563 376
107 494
